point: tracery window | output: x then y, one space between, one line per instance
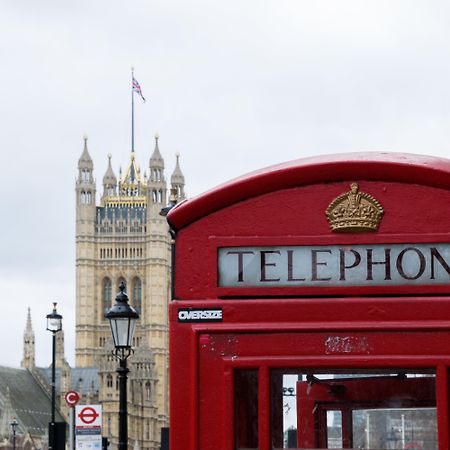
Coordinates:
137 294
107 294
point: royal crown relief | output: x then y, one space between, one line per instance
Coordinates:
354 211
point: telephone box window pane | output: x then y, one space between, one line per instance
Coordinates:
246 409
371 409
334 429
410 428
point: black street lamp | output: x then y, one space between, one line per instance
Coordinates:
54 324
122 318
14 424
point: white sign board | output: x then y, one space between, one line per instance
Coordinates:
88 427
335 265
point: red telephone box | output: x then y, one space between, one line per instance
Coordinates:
311 308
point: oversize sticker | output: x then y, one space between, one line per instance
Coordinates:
200 315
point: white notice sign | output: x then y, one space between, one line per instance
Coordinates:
88 427
335 265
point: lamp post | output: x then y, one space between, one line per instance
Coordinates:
54 324
122 318
14 424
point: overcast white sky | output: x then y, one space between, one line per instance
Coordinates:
232 85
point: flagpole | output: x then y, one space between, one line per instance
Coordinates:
132 110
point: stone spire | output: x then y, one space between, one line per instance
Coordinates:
61 363
177 180
109 180
85 184
28 361
59 350
85 161
156 182
156 160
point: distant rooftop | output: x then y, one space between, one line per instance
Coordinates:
29 401
85 380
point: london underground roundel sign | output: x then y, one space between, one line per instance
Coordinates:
88 415
72 398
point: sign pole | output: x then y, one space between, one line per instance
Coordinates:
71 426
72 398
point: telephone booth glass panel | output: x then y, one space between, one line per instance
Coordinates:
378 409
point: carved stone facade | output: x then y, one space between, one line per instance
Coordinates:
124 238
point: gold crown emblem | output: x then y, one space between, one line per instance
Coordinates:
354 211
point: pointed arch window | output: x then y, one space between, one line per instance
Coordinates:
137 294
109 380
107 294
85 175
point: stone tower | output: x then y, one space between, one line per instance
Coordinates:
86 309
124 238
29 352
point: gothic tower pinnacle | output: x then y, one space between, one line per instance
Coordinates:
61 362
85 164
109 181
85 186
177 180
28 361
156 182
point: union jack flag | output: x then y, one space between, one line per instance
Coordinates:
137 88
